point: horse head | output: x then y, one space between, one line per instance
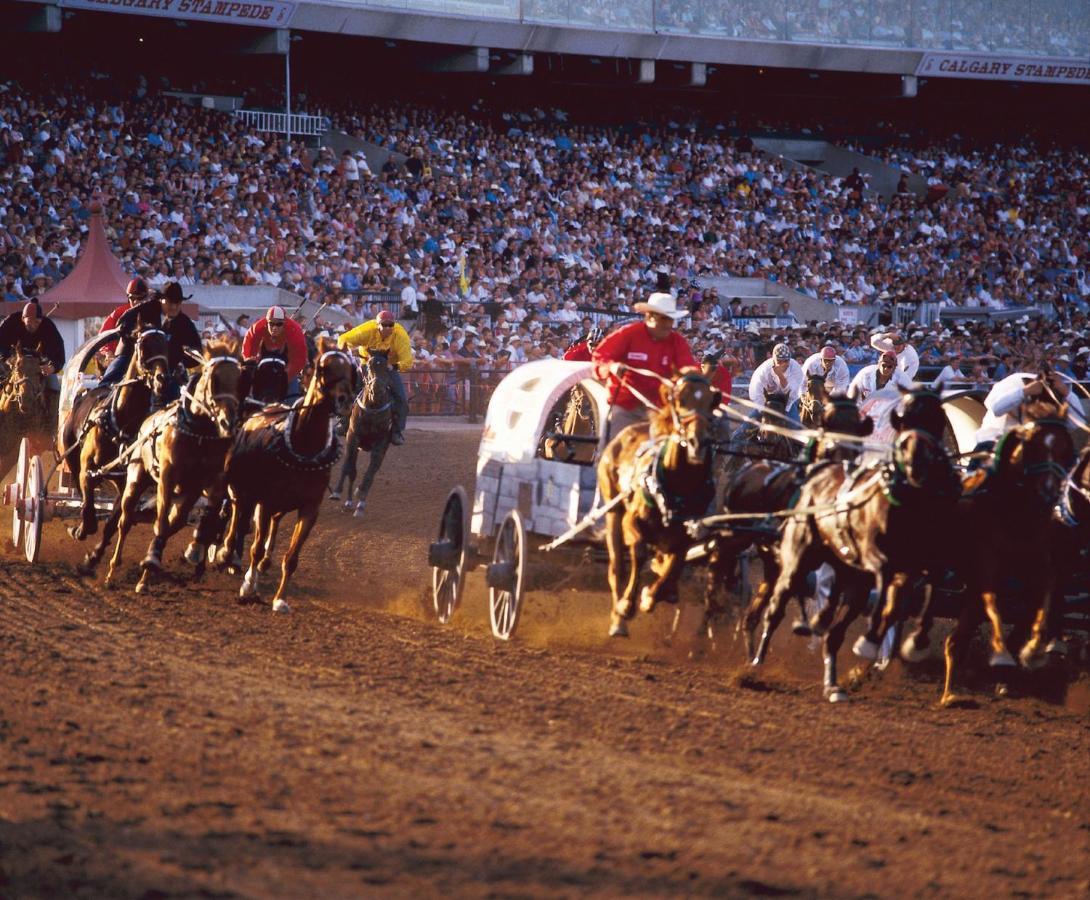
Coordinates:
218 391
269 383
376 388
335 375
688 405
922 461
25 386
919 409
1038 456
840 416
151 362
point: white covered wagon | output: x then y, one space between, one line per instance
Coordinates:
535 479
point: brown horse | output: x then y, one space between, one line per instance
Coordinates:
766 487
812 401
881 525
281 462
657 475
576 419
1009 513
368 430
182 449
25 408
103 421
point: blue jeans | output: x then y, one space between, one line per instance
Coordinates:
401 400
117 368
295 390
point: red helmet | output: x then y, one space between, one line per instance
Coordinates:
385 317
137 288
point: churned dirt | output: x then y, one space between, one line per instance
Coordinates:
180 744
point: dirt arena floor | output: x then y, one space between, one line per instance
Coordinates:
181 745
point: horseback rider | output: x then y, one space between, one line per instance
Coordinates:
31 332
582 350
831 365
779 374
182 335
650 344
719 369
1007 400
908 360
135 292
877 376
144 311
278 337
384 333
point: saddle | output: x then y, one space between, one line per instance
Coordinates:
273 434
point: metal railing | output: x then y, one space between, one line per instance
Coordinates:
278 122
458 389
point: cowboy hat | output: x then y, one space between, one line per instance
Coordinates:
172 293
662 304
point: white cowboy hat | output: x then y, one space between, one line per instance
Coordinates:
663 304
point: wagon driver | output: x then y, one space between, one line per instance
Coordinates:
384 333
278 337
651 344
28 330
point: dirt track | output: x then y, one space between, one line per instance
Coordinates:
181 744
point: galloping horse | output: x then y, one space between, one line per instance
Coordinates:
656 475
264 381
1009 513
369 430
24 408
183 448
756 440
812 401
887 522
766 487
104 421
281 462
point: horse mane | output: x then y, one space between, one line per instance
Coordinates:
326 344
1043 407
220 347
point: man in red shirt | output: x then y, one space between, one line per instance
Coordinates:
137 292
651 344
278 336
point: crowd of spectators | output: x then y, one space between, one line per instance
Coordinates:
506 232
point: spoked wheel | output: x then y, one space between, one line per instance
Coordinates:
35 505
505 576
17 492
447 556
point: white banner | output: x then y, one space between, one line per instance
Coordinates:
267 13
995 67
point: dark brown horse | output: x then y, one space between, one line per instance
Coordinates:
264 381
281 462
763 487
657 475
1009 513
880 526
104 421
368 430
182 449
812 401
25 409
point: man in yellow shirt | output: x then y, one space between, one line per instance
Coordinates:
385 334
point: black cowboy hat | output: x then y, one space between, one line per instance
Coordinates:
172 293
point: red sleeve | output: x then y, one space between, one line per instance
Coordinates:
723 382
111 322
297 348
613 349
578 353
251 343
684 356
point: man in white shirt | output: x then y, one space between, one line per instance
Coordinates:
828 363
908 360
779 374
1004 404
875 377
951 374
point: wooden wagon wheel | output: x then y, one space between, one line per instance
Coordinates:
35 506
448 555
506 576
18 491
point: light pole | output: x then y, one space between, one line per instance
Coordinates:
287 88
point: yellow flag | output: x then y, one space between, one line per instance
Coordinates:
463 281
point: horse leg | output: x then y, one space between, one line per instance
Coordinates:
883 614
91 559
957 642
88 523
378 454
618 627
307 517
914 647
265 562
796 551
135 484
348 467
1033 654
229 555
209 525
665 584
262 523
853 601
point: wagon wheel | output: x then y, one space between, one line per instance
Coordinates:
505 576
18 491
34 504
448 554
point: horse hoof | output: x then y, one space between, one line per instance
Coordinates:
248 587
1031 657
85 567
865 648
334 495
76 531
141 587
1056 647
836 694
619 628
1001 660
799 628
349 505
914 650
194 554
281 606
264 565
1002 691
956 701
152 562
647 600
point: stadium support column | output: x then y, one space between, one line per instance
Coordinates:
909 84
43 19
698 74
646 72
277 41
